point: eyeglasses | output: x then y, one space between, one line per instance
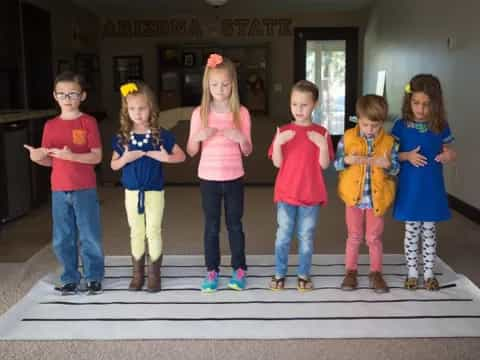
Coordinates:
71 96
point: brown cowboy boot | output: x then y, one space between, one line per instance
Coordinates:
154 281
138 276
350 281
377 283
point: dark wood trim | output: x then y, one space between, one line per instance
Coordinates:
3 181
465 209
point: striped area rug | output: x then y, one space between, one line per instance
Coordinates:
181 311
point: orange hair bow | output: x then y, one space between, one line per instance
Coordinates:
214 60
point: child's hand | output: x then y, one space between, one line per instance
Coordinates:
204 134
415 158
36 154
381 161
284 136
355 159
318 139
161 154
129 156
65 153
234 135
446 155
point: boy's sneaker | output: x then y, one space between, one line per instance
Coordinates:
94 288
238 280
210 283
67 289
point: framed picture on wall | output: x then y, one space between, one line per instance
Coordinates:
125 69
188 59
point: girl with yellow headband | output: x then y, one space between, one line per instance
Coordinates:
139 149
425 140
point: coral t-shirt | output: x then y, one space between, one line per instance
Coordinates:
80 135
300 179
221 158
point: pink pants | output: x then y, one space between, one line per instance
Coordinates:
355 219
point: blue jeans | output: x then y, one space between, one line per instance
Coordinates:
303 219
76 215
232 194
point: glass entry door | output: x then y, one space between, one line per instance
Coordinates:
328 58
325 66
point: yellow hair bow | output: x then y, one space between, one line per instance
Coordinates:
128 88
408 88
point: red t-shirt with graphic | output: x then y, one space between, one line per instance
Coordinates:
80 135
300 179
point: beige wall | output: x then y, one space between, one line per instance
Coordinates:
281 60
281 55
409 37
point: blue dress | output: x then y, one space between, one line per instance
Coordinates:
421 194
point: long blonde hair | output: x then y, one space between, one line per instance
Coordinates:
234 101
126 124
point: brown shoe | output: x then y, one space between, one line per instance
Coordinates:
154 279
138 274
377 283
350 281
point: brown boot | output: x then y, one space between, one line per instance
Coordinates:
377 283
138 276
154 282
350 281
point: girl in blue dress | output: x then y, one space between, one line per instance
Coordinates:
424 139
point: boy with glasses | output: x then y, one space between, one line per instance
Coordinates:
71 147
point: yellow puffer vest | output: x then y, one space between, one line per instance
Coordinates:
351 180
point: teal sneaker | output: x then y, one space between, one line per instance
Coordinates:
238 280
210 283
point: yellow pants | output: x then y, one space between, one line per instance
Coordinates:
148 224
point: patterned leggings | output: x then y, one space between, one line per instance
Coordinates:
413 231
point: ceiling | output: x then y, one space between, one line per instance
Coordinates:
233 7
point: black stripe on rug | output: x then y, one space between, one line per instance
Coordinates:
410 317
69 303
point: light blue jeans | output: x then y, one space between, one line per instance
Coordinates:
76 216
303 219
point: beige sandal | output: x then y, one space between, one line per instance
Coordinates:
431 284
304 284
411 283
277 283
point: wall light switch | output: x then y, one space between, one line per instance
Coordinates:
451 42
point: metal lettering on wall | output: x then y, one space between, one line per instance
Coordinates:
193 28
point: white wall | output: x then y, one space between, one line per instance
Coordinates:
409 37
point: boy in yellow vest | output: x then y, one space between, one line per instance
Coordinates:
367 157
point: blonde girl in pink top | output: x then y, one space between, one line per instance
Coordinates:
220 131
